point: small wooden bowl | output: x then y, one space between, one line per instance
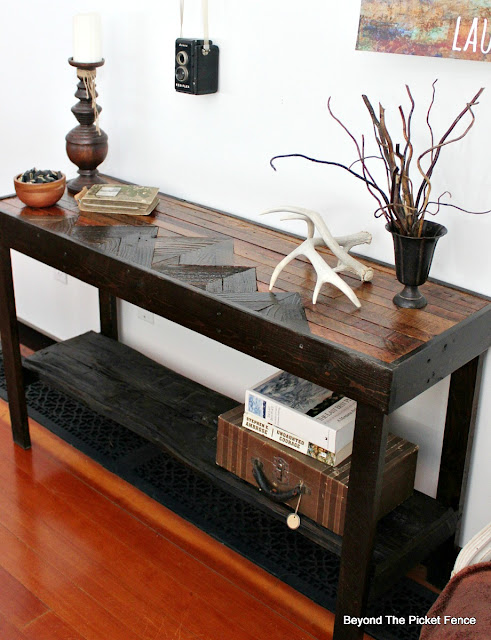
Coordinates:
40 195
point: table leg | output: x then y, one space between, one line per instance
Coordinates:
108 314
463 397
9 331
460 422
365 484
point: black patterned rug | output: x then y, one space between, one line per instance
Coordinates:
262 539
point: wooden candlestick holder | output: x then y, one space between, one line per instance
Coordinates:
85 146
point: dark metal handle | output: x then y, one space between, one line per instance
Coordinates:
270 490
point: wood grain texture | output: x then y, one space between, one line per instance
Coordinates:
128 243
371 431
373 339
51 627
326 363
284 308
264 247
193 251
91 556
9 631
108 314
210 278
11 354
18 605
459 429
181 417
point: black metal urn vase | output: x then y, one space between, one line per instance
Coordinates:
413 257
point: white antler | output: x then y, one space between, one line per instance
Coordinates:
339 247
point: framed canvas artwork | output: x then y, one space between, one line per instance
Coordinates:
439 28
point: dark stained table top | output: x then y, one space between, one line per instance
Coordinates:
196 266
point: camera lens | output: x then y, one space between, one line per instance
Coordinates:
181 74
182 57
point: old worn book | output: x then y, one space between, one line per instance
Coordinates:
300 444
129 199
325 488
107 208
303 410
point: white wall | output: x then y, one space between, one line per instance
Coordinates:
280 61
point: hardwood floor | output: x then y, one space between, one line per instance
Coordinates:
86 556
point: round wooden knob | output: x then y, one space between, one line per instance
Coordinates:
293 521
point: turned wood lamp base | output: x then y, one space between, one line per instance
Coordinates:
86 145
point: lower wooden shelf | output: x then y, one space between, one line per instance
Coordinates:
180 416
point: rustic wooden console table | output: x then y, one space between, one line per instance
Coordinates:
209 271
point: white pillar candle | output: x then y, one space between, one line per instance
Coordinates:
87 37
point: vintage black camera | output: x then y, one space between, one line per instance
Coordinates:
196 67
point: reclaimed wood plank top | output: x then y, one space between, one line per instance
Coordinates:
379 330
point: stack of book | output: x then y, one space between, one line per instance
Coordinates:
128 199
302 416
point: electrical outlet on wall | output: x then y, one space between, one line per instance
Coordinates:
146 315
61 276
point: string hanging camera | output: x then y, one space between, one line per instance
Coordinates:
196 61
